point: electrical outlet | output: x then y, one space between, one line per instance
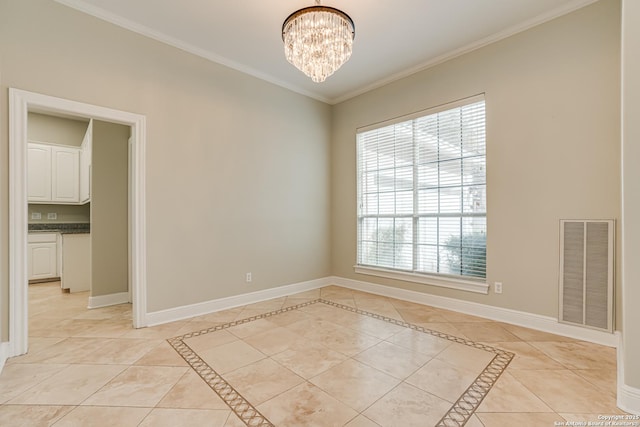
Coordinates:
36 215
248 277
497 287
52 215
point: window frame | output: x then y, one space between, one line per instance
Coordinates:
466 283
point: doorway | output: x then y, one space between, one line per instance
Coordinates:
20 104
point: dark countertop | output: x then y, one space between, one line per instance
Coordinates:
63 228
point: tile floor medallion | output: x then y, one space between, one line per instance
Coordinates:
321 344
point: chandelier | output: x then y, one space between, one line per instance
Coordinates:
318 40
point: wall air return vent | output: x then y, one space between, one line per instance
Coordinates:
586 273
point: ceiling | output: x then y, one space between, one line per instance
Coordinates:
394 38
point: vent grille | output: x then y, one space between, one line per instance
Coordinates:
586 273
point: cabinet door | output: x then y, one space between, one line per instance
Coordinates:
66 174
42 260
85 165
76 262
38 173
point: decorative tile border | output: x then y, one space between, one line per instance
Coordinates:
458 415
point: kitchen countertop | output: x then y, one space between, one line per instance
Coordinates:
63 228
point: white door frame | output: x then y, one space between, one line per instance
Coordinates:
20 103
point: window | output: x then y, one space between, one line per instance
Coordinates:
422 193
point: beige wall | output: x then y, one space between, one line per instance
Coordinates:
109 208
631 190
553 147
55 130
65 213
237 173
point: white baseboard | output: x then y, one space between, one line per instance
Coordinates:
199 309
4 353
520 318
514 317
628 398
107 300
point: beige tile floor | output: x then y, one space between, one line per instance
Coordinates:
317 365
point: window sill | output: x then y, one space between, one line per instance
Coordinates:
479 287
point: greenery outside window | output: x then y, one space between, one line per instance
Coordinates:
422 193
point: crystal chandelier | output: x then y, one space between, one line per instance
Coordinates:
318 40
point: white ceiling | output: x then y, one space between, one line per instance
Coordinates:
394 38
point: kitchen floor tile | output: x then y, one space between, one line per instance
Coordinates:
161 355
465 357
234 421
392 359
361 421
417 316
306 405
603 379
69 386
420 342
185 418
487 332
69 350
509 395
528 357
191 392
355 384
17 378
124 351
273 341
248 329
103 416
443 380
228 357
31 415
137 386
566 391
262 380
579 354
210 340
520 419
342 340
407 406
308 359
367 325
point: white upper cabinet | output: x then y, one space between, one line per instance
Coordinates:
53 174
66 175
85 165
39 173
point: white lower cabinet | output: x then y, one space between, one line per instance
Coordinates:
76 262
42 256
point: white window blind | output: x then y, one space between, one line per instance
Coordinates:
422 193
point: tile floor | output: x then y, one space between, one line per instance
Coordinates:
297 363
